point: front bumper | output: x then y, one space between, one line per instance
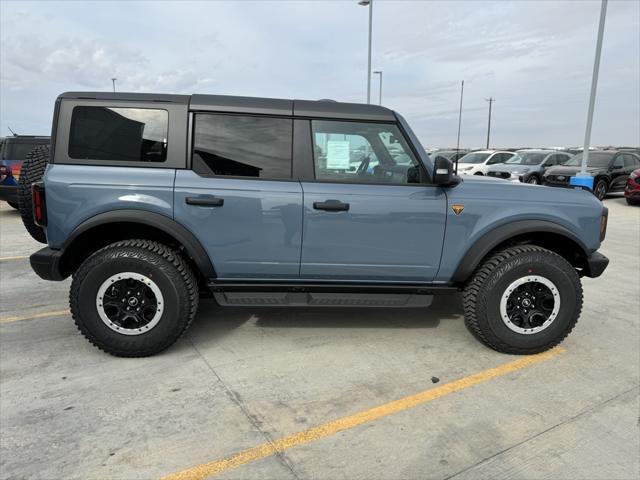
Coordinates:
46 264
9 193
595 265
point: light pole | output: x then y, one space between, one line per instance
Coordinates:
113 81
490 100
368 3
459 124
583 178
379 72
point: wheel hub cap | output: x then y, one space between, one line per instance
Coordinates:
129 303
530 304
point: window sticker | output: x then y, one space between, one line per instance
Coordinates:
338 154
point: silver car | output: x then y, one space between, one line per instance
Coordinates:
528 166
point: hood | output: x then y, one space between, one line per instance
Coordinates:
569 171
484 187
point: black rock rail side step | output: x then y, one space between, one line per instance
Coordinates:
325 294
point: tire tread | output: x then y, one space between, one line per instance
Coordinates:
32 171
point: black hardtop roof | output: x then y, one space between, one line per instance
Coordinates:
253 105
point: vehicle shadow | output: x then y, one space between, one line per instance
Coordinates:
213 320
615 198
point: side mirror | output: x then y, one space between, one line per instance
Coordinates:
443 172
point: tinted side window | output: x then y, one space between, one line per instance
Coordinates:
499 158
618 162
362 153
118 134
243 146
631 161
18 151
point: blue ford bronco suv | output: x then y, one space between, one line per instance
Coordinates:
153 201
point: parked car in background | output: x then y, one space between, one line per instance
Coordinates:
610 169
478 163
452 155
528 166
632 190
13 151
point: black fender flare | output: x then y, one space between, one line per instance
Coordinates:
490 240
185 237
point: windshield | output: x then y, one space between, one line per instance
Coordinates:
596 159
527 158
474 158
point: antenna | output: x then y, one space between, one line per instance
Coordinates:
14 133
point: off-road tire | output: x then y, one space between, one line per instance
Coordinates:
168 270
604 191
482 294
32 171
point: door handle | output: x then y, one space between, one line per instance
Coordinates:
205 201
331 206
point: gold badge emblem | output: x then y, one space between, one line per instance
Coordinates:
457 208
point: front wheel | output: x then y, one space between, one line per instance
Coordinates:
133 298
478 173
600 189
523 300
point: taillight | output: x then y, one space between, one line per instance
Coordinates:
39 204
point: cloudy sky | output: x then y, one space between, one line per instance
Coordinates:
534 57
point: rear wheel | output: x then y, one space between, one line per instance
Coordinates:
133 298
600 189
533 180
523 300
32 171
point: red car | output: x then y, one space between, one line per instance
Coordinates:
632 189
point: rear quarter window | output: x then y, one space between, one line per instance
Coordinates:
118 134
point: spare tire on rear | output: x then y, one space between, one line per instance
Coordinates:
32 171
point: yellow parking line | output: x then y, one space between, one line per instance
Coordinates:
205 470
17 257
55 313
